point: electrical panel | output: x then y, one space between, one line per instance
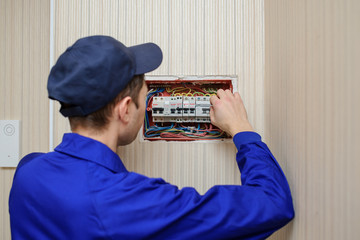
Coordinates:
179 109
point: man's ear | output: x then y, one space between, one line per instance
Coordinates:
122 109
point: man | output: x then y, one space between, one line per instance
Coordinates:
82 190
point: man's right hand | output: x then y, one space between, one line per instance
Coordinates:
228 112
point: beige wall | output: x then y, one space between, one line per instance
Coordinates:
312 85
24 65
197 38
306 52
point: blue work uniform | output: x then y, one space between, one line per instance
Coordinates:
82 190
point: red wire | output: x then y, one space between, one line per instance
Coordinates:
182 135
171 135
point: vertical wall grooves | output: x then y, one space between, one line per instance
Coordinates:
309 110
310 94
24 66
197 38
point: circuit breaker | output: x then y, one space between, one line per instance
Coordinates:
181 109
178 109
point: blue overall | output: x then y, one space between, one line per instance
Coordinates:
82 190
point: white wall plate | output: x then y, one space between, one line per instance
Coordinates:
9 143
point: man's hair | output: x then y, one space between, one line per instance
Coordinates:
99 120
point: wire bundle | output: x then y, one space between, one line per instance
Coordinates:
190 131
190 92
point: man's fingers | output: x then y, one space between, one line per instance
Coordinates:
221 93
228 93
213 99
237 96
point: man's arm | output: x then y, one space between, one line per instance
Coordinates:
148 208
155 209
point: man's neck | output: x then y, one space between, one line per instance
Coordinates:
106 136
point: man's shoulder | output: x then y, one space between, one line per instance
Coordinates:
29 158
32 160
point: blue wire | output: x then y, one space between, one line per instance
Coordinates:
157 128
147 124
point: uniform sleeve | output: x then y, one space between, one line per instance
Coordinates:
148 208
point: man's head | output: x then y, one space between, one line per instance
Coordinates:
96 74
99 119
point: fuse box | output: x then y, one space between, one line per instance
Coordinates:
181 109
178 109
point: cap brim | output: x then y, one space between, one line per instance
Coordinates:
148 57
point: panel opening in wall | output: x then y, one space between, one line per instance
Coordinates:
178 108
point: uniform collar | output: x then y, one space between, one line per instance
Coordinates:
89 149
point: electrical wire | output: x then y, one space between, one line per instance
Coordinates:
174 130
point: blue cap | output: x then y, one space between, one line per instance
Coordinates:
93 71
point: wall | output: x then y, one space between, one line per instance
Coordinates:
197 38
24 65
312 113
306 109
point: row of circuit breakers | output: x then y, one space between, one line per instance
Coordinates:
181 109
